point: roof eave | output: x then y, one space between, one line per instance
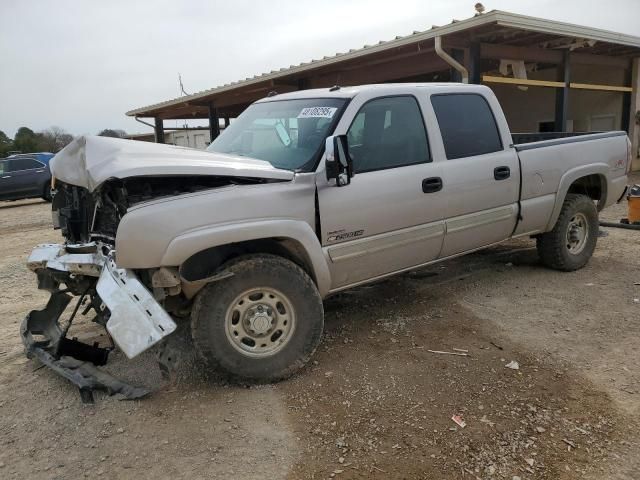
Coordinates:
499 17
304 67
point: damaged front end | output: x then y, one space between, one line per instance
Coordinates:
85 267
134 320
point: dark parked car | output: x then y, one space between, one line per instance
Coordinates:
25 176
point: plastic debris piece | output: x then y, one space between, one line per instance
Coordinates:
449 353
459 421
513 365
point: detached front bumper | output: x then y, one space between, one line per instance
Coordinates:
133 318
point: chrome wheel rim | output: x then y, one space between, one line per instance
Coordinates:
260 322
577 233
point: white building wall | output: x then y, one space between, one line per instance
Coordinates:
199 139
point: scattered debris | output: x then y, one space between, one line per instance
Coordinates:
460 350
513 365
459 421
570 443
541 429
484 419
449 353
499 347
530 461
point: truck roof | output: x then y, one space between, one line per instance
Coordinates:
350 92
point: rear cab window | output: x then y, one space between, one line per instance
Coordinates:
467 125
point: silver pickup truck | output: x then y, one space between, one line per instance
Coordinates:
304 195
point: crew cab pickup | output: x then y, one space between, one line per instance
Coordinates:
304 195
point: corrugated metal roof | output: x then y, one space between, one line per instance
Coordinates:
504 19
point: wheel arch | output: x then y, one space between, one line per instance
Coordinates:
589 180
200 253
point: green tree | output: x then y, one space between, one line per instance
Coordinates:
6 144
26 140
112 132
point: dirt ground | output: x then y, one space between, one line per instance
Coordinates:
375 402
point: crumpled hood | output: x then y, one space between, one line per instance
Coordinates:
88 161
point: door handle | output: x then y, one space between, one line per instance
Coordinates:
431 184
6 176
501 173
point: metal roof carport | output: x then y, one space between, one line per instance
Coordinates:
476 45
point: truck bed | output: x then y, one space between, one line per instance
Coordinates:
527 141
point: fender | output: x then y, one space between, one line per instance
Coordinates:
191 242
600 169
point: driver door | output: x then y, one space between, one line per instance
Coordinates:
385 220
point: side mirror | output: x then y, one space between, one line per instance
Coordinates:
338 164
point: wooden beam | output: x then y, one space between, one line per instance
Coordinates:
522 81
634 109
475 62
531 54
214 122
593 86
562 94
159 130
384 72
600 60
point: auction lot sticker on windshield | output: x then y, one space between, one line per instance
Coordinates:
318 112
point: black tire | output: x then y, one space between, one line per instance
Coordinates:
554 247
214 334
46 193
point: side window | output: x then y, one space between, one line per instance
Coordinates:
3 166
387 133
467 125
18 164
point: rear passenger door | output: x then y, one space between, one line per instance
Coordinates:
383 221
480 173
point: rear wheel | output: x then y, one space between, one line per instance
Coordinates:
261 324
571 243
46 194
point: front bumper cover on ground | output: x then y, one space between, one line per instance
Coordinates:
135 320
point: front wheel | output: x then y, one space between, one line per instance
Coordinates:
571 243
263 323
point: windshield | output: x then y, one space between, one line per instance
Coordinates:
288 134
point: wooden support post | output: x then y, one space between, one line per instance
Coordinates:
457 55
159 130
475 74
634 108
562 94
227 121
214 122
